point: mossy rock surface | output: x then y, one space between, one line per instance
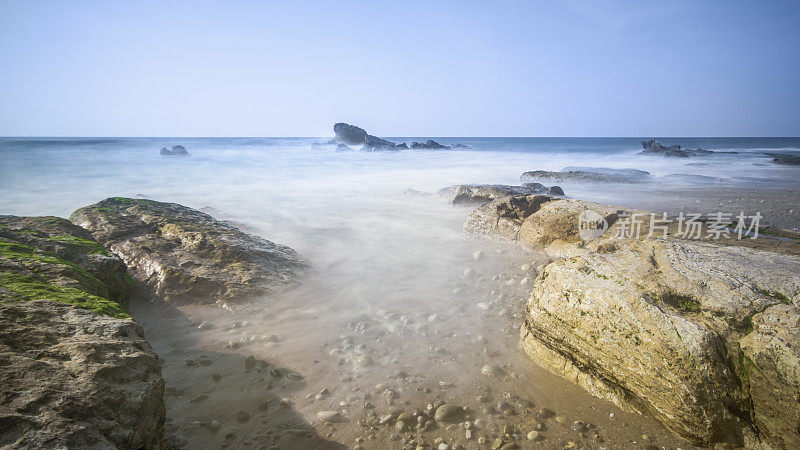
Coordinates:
186 256
49 258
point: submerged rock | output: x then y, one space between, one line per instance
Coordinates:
785 158
186 256
176 150
449 414
588 175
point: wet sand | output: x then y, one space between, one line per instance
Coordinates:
413 333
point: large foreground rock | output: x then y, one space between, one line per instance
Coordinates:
701 335
187 256
76 379
76 371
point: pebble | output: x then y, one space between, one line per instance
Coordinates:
250 363
330 416
561 419
580 427
285 402
477 255
198 398
364 361
533 436
214 425
242 416
205 326
490 370
449 413
294 376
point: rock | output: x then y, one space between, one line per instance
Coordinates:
50 258
653 147
490 370
533 436
349 134
343 148
374 144
785 158
250 363
430 144
503 217
242 416
588 175
471 194
205 326
73 378
331 416
555 190
449 414
663 326
353 135
214 425
401 146
186 256
176 150
701 335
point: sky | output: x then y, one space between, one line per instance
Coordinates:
430 68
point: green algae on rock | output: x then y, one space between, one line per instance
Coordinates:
49 258
76 370
186 256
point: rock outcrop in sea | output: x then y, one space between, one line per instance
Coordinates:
703 335
185 256
76 370
588 175
353 135
178 150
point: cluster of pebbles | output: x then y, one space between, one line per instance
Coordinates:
412 378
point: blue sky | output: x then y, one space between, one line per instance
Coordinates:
483 68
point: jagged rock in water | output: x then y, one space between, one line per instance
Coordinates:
353 135
401 146
343 148
373 144
176 150
76 370
186 256
588 175
701 335
472 194
430 144
653 147
349 134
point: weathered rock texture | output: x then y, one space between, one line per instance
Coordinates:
76 379
478 194
75 369
702 336
187 256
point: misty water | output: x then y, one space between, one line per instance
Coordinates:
399 311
